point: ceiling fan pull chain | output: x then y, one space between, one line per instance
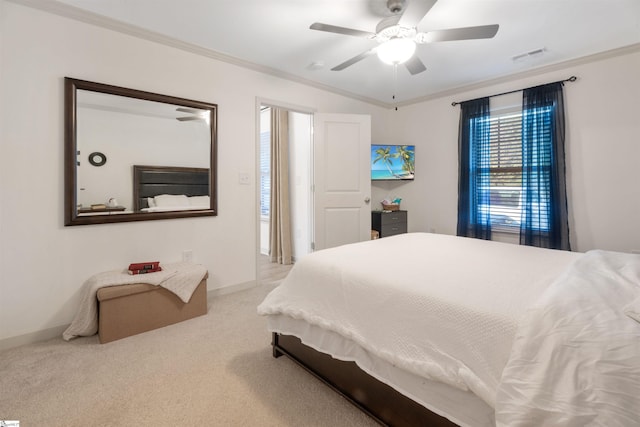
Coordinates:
395 83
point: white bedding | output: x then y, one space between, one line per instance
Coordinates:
174 208
176 202
576 358
429 304
462 407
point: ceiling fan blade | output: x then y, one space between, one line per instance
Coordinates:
188 110
465 33
353 60
414 12
340 30
415 65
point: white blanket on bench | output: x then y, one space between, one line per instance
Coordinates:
180 278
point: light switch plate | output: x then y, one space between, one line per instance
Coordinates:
243 178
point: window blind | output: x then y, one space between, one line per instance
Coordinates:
502 196
538 159
505 170
265 173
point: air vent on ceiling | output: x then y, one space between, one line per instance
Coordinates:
528 55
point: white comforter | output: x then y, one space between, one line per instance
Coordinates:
174 208
576 357
430 304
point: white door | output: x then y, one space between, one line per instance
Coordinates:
342 179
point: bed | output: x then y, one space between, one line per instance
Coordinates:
426 329
170 188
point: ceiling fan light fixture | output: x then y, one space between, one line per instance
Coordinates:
388 33
396 51
394 31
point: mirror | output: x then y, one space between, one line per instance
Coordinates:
135 156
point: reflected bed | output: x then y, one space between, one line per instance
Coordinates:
190 185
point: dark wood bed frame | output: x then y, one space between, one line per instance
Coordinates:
150 181
380 401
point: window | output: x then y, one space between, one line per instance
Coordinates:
540 161
501 197
265 162
512 169
505 170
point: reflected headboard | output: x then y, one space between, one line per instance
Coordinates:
151 181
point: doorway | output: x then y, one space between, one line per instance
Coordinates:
299 189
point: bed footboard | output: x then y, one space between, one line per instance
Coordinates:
373 397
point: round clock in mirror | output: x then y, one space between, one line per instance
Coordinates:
97 159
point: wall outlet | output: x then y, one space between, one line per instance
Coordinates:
187 256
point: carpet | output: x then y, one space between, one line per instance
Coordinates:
214 370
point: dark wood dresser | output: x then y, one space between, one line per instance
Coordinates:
389 223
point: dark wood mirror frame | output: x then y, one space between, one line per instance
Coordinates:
71 215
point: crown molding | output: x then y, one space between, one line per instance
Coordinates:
72 12
559 66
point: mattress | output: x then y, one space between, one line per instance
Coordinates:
441 308
462 407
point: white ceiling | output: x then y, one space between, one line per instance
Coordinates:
274 35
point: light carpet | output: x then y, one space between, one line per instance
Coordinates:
214 370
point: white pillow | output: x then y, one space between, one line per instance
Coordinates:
151 202
171 200
633 309
201 201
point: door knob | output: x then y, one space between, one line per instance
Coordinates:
367 200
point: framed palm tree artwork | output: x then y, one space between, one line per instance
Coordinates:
392 162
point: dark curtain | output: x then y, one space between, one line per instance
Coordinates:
473 166
544 220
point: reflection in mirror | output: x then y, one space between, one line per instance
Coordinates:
113 133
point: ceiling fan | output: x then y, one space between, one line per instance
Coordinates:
398 35
195 114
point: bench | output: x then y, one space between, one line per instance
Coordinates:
132 309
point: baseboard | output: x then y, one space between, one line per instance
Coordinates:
230 289
32 337
47 334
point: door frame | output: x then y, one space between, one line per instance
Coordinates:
260 102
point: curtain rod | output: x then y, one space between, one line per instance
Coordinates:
570 79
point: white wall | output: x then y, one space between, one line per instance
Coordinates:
42 263
602 153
